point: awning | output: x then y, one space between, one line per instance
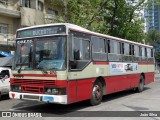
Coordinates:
5 54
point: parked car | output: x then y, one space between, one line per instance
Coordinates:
5 74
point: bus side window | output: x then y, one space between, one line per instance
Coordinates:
98 49
130 49
145 52
108 46
140 51
122 48
126 48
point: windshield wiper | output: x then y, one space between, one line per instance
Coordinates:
25 59
53 70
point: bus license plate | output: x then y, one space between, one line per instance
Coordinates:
48 98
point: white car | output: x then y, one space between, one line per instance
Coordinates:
5 74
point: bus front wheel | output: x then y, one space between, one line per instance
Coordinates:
97 93
140 87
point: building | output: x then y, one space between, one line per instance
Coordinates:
149 16
152 21
15 14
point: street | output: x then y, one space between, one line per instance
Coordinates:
128 100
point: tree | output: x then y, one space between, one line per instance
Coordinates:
119 18
153 38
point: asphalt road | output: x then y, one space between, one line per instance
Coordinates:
148 100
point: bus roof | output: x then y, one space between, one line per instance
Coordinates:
81 29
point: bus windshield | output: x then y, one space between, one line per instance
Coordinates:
41 53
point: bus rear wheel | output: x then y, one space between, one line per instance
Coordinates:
140 87
97 94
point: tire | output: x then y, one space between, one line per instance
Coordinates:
97 94
140 87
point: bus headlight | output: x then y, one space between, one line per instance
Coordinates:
55 91
16 88
49 90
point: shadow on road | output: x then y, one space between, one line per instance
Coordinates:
4 97
63 110
121 94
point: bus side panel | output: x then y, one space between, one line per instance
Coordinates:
84 91
117 83
149 77
71 91
134 80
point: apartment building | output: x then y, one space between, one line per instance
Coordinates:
16 14
151 14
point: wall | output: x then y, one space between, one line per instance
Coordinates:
31 17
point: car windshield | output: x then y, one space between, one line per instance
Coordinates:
41 53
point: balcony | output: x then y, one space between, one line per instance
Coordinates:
9 9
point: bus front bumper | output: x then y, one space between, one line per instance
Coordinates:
60 99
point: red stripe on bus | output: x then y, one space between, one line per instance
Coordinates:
100 63
35 75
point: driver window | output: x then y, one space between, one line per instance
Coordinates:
80 52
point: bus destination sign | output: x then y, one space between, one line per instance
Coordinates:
40 31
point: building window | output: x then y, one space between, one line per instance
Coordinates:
52 12
4 1
26 3
3 28
40 6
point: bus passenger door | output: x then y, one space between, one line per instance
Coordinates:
79 58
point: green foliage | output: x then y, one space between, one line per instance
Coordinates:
152 37
157 56
119 18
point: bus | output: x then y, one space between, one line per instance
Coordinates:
64 63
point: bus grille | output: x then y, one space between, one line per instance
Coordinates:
32 89
31 97
33 86
34 82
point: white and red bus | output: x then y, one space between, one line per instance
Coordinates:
64 63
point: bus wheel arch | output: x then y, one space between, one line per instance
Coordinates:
98 90
102 80
141 83
142 74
